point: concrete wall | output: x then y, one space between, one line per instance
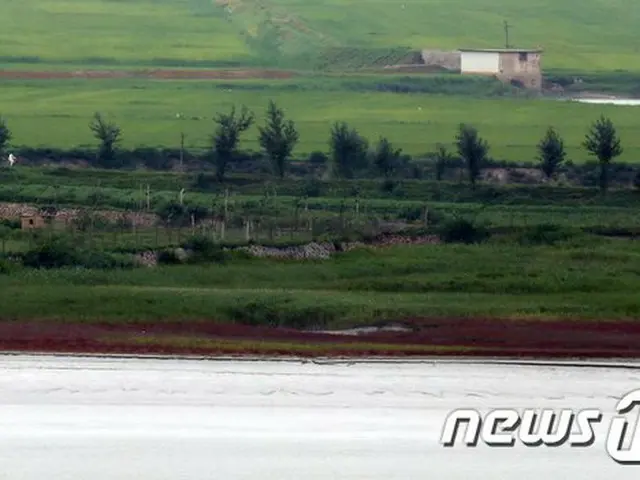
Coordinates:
442 58
516 63
523 68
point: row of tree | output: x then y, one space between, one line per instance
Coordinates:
349 151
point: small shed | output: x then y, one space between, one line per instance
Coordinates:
507 64
28 222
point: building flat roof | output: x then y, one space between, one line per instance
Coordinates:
502 50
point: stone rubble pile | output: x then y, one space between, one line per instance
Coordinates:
312 250
147 259
400 240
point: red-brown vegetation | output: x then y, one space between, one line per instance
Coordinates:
473 336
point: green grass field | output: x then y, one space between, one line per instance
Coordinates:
592 35
57 113
138 32
598 281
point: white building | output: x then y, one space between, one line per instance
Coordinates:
520 65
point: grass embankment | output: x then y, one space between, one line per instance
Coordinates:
595 281
56 114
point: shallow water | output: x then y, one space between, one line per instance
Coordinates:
107 418
610 101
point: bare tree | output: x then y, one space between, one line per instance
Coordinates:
109 135
278 138
227 135
603 143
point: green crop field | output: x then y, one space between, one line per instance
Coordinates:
589 35
57 113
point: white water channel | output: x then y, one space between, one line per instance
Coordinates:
75 418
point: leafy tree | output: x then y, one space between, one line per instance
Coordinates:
5 135
386 158
442 157
602 142
472 149
278 138
226 137
109 135
551 153
348 150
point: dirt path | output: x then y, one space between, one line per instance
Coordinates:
155 74
486 337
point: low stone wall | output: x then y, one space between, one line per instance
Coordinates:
309 251
14 211
302 252
450 60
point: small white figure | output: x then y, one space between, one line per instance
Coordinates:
12 159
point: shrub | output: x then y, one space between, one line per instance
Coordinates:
54 253
463 231
279 313
8 266
318 158
387 186
10 224
58 252
205 250
170 256
411 214
312 187
546 234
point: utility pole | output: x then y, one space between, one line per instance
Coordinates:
506 34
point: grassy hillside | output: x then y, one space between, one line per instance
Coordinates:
110 31
587 35
57 113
